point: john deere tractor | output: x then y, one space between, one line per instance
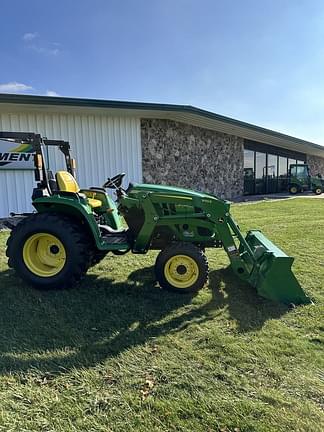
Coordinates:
72 229
300 180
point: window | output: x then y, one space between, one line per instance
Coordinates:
299 171
291 162
248 172
272 165
260 172
282 174
266 167
282 167
302 171
260 164
272 173
249 159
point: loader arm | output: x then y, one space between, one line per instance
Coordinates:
205 220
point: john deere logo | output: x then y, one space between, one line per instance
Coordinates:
16 156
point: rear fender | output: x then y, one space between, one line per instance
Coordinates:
74 207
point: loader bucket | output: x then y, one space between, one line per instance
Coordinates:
272 275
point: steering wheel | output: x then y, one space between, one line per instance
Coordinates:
114 182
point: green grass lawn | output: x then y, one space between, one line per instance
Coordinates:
119 354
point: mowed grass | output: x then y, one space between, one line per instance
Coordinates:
119 354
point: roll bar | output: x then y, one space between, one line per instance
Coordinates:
38 143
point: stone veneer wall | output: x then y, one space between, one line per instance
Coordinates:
183 155
316 165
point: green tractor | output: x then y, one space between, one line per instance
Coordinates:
300 180
73 229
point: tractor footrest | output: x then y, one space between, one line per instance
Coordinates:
120 238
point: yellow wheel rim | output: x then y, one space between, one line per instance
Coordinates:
318 191
293 189
181 271
44 254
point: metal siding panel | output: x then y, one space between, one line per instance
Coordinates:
15 191
13 187
94 154
103 146
111 139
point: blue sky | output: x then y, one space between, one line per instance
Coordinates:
257 61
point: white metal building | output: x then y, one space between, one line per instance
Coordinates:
103 145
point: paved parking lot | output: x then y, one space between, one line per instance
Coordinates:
277 196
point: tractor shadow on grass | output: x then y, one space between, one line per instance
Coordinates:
245 307
56 331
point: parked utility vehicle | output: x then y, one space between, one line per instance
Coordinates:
300 180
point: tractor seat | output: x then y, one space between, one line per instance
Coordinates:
67 183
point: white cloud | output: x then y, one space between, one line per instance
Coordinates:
51 93
14 87
34 42
29 36
45 50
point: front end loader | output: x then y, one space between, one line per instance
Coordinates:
72 229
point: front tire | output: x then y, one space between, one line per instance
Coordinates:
318 191
181 267
293 189
49 250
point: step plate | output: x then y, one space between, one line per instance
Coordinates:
115 238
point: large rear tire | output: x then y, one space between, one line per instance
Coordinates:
181 267
49 251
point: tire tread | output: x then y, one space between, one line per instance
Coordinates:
71 228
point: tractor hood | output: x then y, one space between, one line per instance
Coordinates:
165 190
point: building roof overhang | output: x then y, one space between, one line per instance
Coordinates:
181 113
